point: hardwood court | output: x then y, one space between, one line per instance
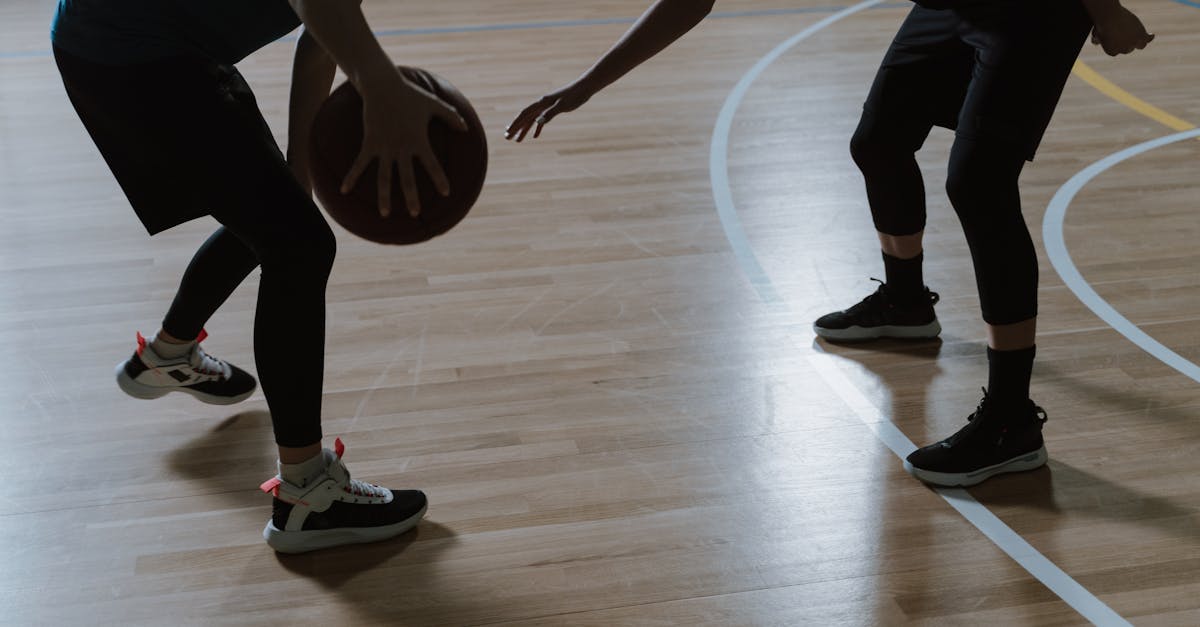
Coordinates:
612 426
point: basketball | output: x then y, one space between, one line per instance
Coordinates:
336 138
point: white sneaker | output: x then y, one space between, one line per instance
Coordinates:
148 375
332 509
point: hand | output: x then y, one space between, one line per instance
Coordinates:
396 116
1119 31
568 98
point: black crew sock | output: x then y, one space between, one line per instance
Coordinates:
903 278
1008 375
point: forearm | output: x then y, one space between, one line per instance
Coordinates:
312 77
341 29
660 26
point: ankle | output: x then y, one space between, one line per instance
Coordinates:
300 473
165 345
1009 373
904 278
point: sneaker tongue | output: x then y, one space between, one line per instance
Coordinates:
335 468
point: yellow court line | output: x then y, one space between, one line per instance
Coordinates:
1110 89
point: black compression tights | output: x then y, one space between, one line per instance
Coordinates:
982 186
296 250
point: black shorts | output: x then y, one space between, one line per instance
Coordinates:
176 133
990 70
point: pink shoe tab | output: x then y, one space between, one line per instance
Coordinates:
271 486
141 343
338 447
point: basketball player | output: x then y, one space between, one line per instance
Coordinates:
993 70
155 85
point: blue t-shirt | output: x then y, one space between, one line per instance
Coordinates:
121 32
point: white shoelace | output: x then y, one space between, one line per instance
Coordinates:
362 488
202 362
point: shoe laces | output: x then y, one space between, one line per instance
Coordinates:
362 488
881 296
1038 413
209 365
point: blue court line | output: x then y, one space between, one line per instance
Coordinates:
481 28
1004 537
1190 3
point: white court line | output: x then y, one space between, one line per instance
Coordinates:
1056 249
1041 568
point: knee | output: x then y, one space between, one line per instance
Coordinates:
304 251
961 185
878 144
982 179
867 146
978 191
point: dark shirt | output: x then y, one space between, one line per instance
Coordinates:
122 32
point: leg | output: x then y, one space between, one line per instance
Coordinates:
266 209
920 83
219 266
983 187
1022 62
885 152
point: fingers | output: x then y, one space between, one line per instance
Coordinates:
434 168
408 185
527 118
360 165
384 187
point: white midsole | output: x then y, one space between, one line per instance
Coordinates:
149 392
1028 461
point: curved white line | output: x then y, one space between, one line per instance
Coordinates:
1045 571
718 161
1056 249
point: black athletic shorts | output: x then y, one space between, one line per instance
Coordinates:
989 69
174 132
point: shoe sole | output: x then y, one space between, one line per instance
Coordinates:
305 541
1021 463
151 392
863 334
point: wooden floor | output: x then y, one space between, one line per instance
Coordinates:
612 426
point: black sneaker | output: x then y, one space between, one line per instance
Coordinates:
332 510
147 375
996 440
882 315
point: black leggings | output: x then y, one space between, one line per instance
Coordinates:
994 72
982 186
289 323
185 138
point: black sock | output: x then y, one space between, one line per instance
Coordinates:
1008 375
903 277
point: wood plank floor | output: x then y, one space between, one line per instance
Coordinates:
611 425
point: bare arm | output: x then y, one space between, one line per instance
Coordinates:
395 141
661 25
312 76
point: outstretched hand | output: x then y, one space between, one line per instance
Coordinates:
538 114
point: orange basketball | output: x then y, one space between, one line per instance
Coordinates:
336 138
